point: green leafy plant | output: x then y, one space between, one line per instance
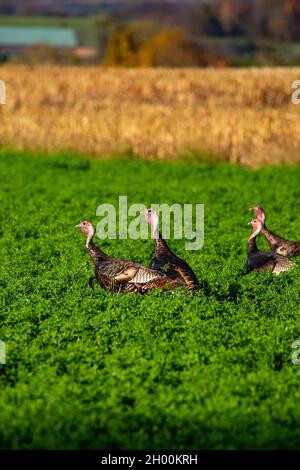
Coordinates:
89 369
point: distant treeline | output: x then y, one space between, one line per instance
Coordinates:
278 19
178 32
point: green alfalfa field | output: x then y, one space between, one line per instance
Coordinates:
87 369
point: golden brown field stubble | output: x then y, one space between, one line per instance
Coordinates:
242 115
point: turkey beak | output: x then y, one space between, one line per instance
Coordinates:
77 226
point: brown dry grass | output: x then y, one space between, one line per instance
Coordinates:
242 115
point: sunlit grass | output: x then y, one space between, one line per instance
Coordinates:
90 369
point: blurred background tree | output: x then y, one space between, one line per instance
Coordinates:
104 26
122 48
170 48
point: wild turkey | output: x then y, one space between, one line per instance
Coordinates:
165 260
262 260
277 244
118 275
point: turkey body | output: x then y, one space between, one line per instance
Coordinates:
264 261
166 261
277 244
281 246
118 275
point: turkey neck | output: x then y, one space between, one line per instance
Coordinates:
160 243
93 250
272 239
251 247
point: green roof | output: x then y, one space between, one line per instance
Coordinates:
30 36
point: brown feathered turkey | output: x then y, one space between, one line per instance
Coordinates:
277 244
119 275
263 260
165 260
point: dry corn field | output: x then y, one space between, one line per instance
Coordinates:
242 115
